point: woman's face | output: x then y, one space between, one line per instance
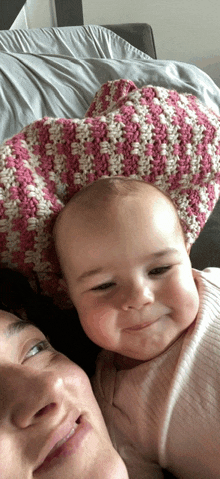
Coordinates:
50 424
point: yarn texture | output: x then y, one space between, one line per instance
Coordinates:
163 137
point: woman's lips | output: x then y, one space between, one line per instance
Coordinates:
68 445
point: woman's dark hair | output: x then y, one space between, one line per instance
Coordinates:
62 327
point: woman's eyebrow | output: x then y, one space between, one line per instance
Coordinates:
16 327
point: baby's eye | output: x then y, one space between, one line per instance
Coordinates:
38 348
102 287
159 271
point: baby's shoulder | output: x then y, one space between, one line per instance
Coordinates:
212 275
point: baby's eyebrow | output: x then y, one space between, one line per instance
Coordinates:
87 274
16 327
158 254
163 252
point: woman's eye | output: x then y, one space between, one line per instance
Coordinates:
102 287
38 348
159 271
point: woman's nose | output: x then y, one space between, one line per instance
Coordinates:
136 297
27 396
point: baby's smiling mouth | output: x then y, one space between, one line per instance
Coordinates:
138 327
156 316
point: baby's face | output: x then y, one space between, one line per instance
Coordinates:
129 276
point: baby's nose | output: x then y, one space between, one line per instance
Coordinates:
137 296
27 397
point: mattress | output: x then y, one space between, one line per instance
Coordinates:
56 72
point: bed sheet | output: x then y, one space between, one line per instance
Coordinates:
56 72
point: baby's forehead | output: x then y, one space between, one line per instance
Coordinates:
99 212
110 191
103 201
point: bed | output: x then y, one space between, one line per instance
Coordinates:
55 72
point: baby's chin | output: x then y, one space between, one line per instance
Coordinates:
125 362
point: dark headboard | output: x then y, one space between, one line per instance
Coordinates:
140 35
9 11
69 12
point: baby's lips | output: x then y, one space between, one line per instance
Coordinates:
138 327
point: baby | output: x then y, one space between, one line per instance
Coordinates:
126 264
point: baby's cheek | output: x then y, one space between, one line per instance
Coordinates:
194 299
96 323
177 290
186 291
172 289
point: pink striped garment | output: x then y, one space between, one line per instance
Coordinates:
158 135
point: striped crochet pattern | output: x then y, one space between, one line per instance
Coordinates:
158 135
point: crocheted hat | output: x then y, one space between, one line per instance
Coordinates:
158 135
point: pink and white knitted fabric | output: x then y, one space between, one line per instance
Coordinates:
168 139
